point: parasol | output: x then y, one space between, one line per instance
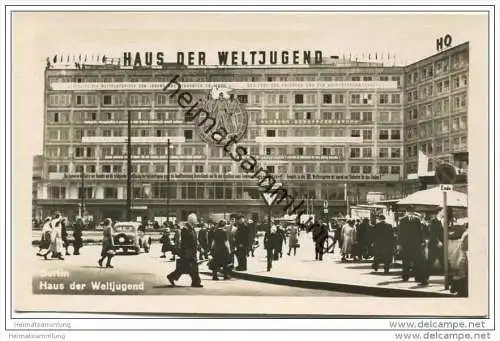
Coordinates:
434 197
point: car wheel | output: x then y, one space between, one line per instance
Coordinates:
137 250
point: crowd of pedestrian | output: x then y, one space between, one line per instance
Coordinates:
54 237
416 240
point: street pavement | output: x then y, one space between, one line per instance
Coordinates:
303 270
143 274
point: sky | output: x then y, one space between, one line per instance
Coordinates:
40 35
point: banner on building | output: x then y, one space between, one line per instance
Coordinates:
159 86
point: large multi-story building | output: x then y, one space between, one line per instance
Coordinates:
364 122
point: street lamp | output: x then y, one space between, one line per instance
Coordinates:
176 139
224 172
82 204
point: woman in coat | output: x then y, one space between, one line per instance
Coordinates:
293 240
108 245
43 247
460 282
220 252
56 243
77 235
348 236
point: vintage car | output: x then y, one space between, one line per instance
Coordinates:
127 236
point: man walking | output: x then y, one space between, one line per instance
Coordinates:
383 240
435 242
203 241
271 241
188 261
77 235
411 239
241 240
320 233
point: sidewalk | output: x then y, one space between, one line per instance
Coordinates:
332 274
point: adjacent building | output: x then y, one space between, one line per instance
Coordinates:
364 123
37 172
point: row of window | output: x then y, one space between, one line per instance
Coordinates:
440 67
438 127
189 135
145 150
438 146
220 169
440 87
135 100
209 190
56 117
459 102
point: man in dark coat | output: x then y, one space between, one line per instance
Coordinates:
282 237
435 242
320 234
64 234
220 252
203 241
176 241
144 224
362 238
241 241
271 241
188 261
252 232
77 235
337 229
411 240
383 240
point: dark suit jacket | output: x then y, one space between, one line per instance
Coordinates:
189 243
242 235
436 233
411 234
271 241
203 237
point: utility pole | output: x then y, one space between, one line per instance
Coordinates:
82 204
168 179
129 166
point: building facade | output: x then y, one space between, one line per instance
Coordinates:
363 123
37 172
436 108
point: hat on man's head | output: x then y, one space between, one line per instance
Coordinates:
381 217
47 219
108 221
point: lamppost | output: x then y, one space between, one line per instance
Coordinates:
224 172
129 166
177 139
82 203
